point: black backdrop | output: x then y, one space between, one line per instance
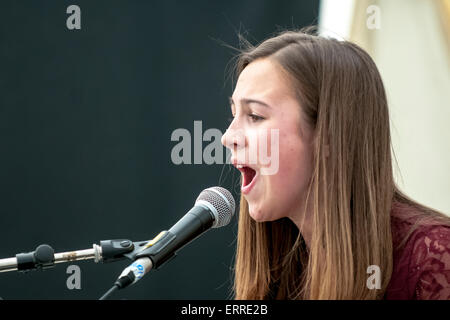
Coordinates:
86 118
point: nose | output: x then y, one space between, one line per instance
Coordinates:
234 138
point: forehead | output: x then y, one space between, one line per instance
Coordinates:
263 79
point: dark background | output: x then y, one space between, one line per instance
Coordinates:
86 118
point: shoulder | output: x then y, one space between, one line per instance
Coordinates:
411 226
430 262
421 256
430 244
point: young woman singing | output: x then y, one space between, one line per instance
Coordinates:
329 222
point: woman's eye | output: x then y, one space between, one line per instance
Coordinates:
255 117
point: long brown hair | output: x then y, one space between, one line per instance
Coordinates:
352 189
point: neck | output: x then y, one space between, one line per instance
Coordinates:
303 220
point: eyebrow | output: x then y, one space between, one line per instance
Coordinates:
248 101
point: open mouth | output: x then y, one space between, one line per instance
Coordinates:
248 174
249 177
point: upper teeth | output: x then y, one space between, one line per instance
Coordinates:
239 166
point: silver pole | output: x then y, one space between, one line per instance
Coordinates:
10 264
94 253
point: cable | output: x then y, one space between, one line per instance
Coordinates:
121 283
109 292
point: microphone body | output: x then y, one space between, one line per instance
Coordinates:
214 208
165 245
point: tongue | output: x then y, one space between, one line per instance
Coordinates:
249 174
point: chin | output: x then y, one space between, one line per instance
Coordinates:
258 215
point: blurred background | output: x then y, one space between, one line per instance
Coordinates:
86 118
409 41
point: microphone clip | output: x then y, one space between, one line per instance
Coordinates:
153 249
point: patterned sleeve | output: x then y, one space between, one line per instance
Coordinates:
431 264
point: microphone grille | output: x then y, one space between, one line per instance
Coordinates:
223 203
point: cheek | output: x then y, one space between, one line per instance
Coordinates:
289 186
294 165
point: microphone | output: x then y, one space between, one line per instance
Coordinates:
213 208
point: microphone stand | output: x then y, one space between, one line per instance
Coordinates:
44 257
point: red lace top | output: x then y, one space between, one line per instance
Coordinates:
422 266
